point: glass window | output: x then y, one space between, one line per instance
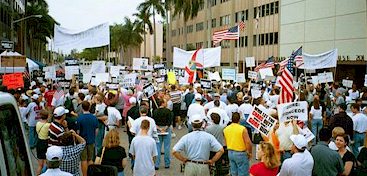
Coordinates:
262 10
272 8
262 39
254 40
276 38
271 39
266 39
267 9
246 38
255 12
276 7
214 23
200 26
246 14
236 17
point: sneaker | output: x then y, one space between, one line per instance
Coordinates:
173 135
179 127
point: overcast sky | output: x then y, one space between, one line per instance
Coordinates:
83 14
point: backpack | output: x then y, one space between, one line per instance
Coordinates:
69 104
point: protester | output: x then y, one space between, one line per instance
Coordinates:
316 117
72 147
113 115
132 113
136 126
362 159
33 110
224 119
359 127
341 119
42 127
176 100
231 108
211 105
348 158
269 162
54 158
58 126
285 131
337 131
195 108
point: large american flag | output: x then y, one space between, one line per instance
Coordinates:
286 84
296 56
267 64
227 34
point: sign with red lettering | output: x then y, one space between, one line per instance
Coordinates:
13 81
261 121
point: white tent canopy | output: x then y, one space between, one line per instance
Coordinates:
31 64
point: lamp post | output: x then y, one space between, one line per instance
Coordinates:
19 20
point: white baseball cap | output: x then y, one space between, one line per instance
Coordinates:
216 94
35 97
54 153
59 111
299 141
198 97
132 100
196 118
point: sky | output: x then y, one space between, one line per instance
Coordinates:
84 14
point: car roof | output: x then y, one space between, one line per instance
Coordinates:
6 98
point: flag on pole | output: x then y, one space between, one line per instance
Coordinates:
286 84
298 57
289 63
227 34
267 64
242 25
282 65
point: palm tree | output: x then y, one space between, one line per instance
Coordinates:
131 33
155 7
143 19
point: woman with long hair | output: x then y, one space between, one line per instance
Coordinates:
112 153
269 163
341 142
42 142
316 117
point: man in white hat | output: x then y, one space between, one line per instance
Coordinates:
301 162
54 158
197 146
211 105
58 126
195 108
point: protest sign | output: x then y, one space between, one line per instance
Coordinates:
87 77
13 61
115 70
101 77
13 81
178 72
141 64
250 61
64 83
347 83
128 80
228 74
214 76
149 90
252 74
160 79
325 77
261 121
240 77
98 67
255 93
206 84
315 80
70 71
112 86
50 72
292 111
306 132
158 66
266 72
171 78
270 78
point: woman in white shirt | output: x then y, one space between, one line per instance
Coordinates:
316 117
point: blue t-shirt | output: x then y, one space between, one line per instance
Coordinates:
87 125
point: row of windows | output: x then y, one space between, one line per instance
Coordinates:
224 20
266 39
199 26
190 29
267 9
241 16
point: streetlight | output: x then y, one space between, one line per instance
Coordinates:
19 20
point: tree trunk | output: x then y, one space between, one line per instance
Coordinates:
145 42
185 34
155 36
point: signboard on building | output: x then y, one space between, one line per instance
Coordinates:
13 61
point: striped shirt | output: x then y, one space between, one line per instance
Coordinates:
175 96
55 131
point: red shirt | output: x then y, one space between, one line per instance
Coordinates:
48 96
260 169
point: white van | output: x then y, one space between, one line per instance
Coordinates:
15 158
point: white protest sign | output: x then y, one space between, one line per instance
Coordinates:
261 121
266 72
365 80
255 93
325 77
160 79
115 70
50 72
112 86
87 77
347 83
70 71
98 67
101 77
252 74
306 132
214 76
240 78
315 80
250 61
128 80
228 74
294 110
149 90
206 84
141 64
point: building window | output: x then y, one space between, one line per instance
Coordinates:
225 43
267 9
254 40
246 14
199 45
224 20
214 23
276 38
213 2
190 29
255 12
262 39
276 6
267 39
173 33
240 16
223 1
272 8
271 39
262 10
199 26
246 38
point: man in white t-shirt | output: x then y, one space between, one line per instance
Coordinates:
113 118
211 104
136 129
224 119
354 93
195 108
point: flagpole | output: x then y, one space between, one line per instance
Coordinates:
238 47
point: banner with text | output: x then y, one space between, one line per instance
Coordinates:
261 121
292 111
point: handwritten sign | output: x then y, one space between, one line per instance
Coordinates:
98 67
87 77
325 77
292 111
306 132
50 72
214 76
160 79
101 77
70 71
252 74
149 90
115 70
228 74
250 61
141 64
347 83
128 80
13 81
206 84
240 77
266 72
261 121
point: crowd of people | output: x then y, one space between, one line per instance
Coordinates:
71 129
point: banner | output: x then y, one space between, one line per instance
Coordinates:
66 40
70 71
13 81
250 61
252 74
292 111
319 61
98 67
206 84
128 80
13 61
347 83
261 121
209 57
228 74
149 90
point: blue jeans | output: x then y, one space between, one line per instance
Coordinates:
120 173
239 163
316 127
32 137
100 136
358 141
166 140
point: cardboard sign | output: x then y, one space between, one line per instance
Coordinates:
206 84
315 80
87 77
112 86
13 61
171 78
306 132
228 74
214 76
70 71
158 66
149 90
50 72
292 111
261 121
98 67
252 74
128 80
64 83
347 83
141 64
13 81
101 77
116 70
250 61
240 78
266 72
325 77
160 80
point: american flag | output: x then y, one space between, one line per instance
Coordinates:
267 64
298 58
242 25
26 74
282 65
227 34
286 84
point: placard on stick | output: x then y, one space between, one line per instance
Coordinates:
261 121
292 111
206 84
149 90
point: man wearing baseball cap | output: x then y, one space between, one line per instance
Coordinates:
301 162
195 108
58 126
197 146
211 105
54 158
